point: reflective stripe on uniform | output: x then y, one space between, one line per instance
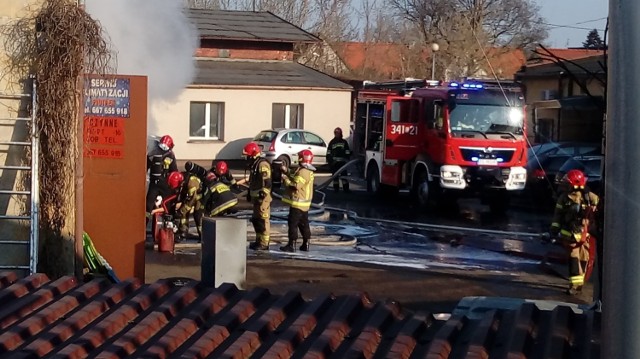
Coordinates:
223 207
577 280
304 205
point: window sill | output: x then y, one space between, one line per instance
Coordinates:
204 140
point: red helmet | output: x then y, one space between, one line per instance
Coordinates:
251 149
576 178
175 179
221 168
166 143
305 157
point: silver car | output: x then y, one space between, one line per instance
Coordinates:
284 145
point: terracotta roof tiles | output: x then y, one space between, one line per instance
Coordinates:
67 319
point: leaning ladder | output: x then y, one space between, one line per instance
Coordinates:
33 193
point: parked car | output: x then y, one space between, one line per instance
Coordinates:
544 160
284 145
592 166
541 174
542 150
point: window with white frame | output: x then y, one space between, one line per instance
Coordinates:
206 120
287 115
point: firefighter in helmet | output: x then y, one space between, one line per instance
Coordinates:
259 195
190 200
160 162
169 202
298 195
218 199
338 154
570 216
222 173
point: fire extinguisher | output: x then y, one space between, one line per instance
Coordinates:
166 242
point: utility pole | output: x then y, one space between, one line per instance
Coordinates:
621 301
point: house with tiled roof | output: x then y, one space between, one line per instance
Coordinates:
247 81
564 92
386 61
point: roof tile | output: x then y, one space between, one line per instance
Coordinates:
64 318
262 73
246 25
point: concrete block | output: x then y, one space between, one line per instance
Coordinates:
224 251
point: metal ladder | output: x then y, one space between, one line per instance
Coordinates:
33 193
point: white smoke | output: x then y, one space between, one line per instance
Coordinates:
153 38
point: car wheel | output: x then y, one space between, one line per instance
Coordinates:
285 161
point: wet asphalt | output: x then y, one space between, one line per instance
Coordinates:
363 227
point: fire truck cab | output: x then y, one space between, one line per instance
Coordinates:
444 141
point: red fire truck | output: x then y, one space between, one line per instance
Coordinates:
444 140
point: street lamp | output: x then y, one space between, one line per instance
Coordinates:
434 48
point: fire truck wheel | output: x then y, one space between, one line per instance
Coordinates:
420 191
373 179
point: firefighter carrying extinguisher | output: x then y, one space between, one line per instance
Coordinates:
298 195
569 219
259 195
338 154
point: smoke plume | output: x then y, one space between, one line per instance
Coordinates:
152 38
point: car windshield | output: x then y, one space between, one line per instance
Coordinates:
486 119
265 136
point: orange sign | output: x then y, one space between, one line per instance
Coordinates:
103 131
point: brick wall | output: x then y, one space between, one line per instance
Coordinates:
248 50
245 54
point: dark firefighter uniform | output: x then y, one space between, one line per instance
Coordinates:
298 195
218 198
338 154
159 164
260 195
190 199
227 179
568 221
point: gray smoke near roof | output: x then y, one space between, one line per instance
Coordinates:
152 38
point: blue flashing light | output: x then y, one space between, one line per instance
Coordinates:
500 159
454 84
466 86
474 159
478 86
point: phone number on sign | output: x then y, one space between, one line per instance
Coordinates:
104 153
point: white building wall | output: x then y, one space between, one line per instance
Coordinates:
14 230
247 112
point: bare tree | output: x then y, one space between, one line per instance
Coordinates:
470 32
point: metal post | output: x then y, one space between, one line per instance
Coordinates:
434 48
433 65
621 302
35 181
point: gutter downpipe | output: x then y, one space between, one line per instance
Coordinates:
621 302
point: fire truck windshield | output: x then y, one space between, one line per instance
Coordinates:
486 119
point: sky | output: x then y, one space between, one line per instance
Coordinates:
576 19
